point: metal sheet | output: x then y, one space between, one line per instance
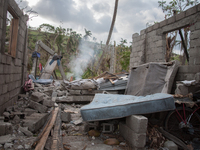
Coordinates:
119 85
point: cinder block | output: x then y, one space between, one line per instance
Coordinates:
29 111
65 116
37 96
37 106
199 7
35 121
135 35
191 11
180 16
137 123
48 103
107 127
5 88
163 23
74 92
171 20
5 128
25 131
135 139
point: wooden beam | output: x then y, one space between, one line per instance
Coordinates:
46 48
42 142
62 71
184 45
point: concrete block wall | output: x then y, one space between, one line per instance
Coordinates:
134 131
12 70
150 45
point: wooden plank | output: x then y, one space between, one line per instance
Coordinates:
42 142
57 139
48 69
62 71
46 48
14 35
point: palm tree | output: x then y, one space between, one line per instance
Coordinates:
109 35
87 34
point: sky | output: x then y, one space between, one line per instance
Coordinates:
96 16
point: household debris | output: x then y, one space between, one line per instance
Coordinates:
151 78
31 118
103 104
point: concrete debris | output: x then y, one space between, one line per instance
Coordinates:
37 106
5 128
170 145
65 116
25 131
6 139
35 121
33 112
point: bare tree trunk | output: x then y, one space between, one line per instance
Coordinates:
112 59
109 35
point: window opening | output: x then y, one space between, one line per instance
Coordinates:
12 24
177 47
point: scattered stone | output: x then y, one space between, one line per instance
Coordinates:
6 114
111 141
170 145
26 146
25 131
77 122
29 111
1 118
35 121
16 119
20 147
37 96
19 114
37 106
5 128
8 145
48 103
6 139
65 116
94 133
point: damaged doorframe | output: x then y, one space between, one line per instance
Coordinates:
13 32
51 52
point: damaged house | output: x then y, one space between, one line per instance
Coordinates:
123 113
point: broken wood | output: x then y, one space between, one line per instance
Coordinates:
57 139
48 69
62 71
184 45
173 138
111 81
42 142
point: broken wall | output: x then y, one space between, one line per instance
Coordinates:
150 44
13 62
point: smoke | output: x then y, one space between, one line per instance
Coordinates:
79 64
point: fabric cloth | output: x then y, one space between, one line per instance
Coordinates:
35 55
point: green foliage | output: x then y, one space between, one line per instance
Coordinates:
176 5
123 55
125 58
88 74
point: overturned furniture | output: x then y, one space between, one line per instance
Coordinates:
49 67
151 78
